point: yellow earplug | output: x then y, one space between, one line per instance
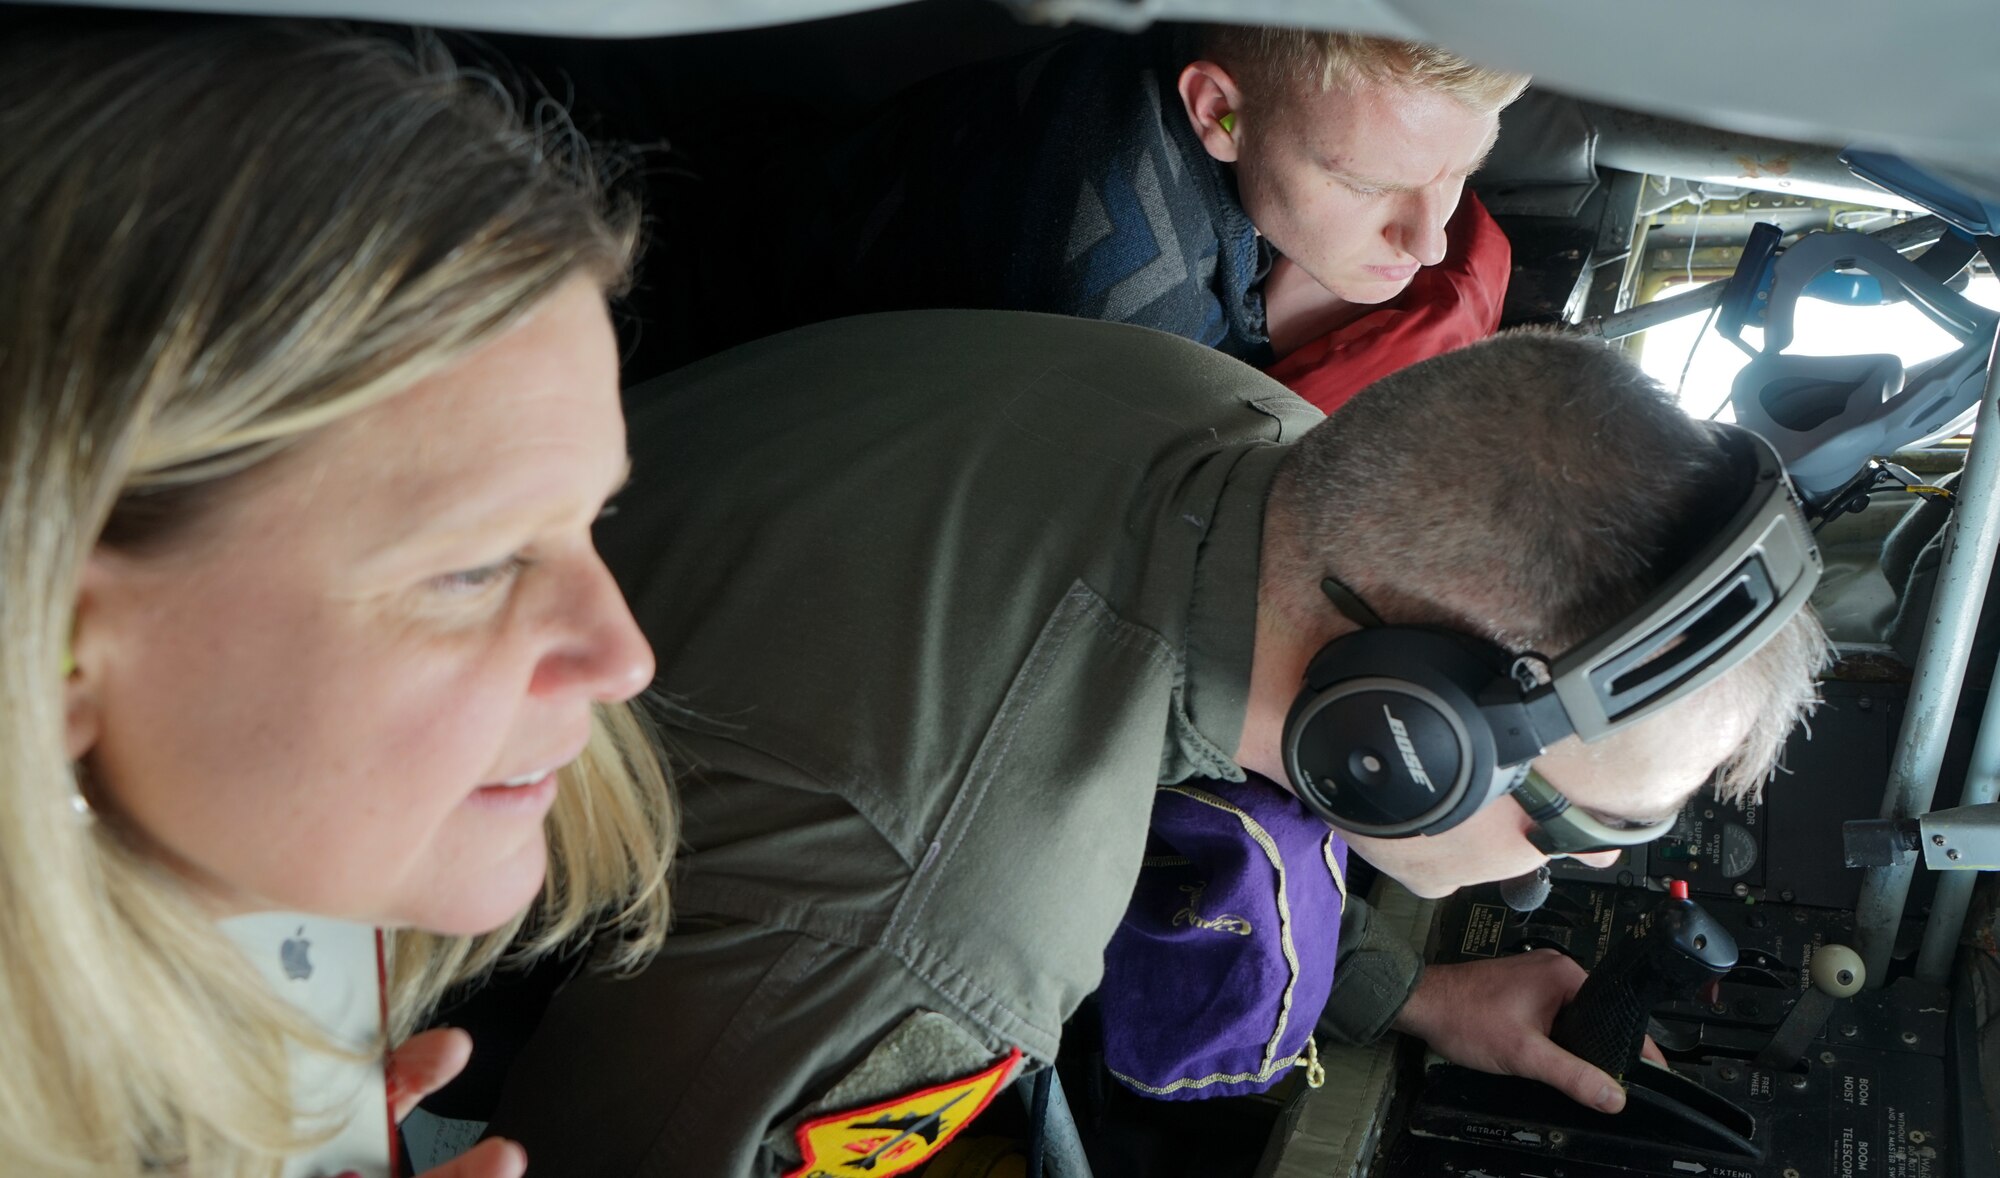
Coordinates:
1227 123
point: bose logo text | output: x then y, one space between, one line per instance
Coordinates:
1408 750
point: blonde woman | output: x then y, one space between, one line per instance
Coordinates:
308 400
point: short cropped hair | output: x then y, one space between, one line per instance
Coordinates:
1532 489
1266 59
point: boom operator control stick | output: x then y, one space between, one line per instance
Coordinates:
1677 949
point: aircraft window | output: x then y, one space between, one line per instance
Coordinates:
1822 329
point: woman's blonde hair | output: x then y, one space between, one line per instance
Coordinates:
216 237
1275 60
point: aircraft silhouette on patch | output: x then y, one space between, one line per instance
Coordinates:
928 1126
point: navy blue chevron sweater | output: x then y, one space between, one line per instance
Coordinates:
1066 180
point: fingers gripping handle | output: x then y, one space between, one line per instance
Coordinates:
1676 949
1606 1024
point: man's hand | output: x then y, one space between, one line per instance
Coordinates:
1495 1016
426 1063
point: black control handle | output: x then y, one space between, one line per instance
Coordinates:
1675 950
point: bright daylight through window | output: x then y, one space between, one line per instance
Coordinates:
1822 329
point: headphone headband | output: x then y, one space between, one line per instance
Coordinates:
1389 714
1721 607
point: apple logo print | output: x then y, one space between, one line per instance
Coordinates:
294 956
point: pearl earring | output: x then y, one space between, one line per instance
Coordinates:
77 802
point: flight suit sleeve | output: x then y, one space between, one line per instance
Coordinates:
1375 974
710 1060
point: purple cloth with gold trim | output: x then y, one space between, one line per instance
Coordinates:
1225 957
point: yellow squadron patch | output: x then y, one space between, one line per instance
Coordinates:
900 1133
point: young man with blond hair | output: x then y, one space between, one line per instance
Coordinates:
1250 189
1350 155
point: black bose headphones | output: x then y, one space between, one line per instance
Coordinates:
1410 730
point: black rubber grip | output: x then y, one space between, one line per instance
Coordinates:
1678 949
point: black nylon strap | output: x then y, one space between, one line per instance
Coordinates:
1348 602
1947 257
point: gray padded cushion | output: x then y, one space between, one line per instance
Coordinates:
1544 163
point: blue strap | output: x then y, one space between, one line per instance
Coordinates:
1038 1130
1055 1146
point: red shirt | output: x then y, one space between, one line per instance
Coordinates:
1446 306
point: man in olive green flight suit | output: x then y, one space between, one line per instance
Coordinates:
939 600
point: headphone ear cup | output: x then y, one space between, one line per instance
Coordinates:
1380 756
1388 737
